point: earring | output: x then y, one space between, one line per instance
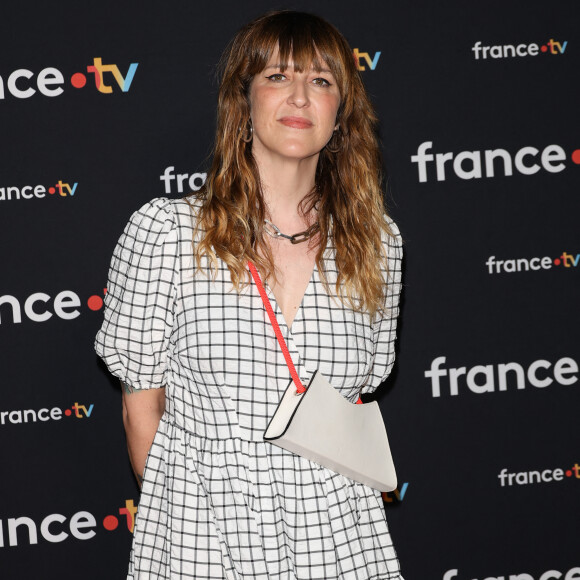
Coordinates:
248 132
336 141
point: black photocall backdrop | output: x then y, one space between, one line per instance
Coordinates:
479 100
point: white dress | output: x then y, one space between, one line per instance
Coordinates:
218 502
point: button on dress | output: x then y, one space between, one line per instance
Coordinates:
218 502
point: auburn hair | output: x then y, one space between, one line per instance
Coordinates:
348 195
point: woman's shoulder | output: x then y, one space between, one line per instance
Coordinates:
164 207
163 213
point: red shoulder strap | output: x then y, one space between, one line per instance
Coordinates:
300 388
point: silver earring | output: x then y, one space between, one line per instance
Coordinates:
248 132
336 141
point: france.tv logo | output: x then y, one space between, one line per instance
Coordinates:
480 51
106 78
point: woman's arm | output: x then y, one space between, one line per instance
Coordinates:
142 410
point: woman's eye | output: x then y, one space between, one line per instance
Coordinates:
321 82
276 77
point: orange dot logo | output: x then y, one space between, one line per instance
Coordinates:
78 80
110 523
95 302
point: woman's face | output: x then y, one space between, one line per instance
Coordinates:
293 113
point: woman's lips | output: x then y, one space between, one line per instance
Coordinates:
296 122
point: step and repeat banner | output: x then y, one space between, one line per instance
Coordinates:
105 106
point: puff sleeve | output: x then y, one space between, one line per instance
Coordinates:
141 297
385 326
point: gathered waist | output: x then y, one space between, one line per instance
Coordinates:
211 431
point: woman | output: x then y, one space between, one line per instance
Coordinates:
294 188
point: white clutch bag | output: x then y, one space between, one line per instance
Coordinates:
318 423
321 425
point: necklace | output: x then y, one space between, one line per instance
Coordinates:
275 232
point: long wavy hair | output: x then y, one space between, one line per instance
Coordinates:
347 196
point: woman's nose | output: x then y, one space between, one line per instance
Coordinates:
299 94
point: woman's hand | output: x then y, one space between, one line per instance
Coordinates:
142 410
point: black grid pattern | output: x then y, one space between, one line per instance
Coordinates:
218 501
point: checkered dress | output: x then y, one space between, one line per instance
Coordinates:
217 500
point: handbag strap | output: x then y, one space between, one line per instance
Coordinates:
300 388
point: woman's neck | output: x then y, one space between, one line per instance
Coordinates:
285 183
